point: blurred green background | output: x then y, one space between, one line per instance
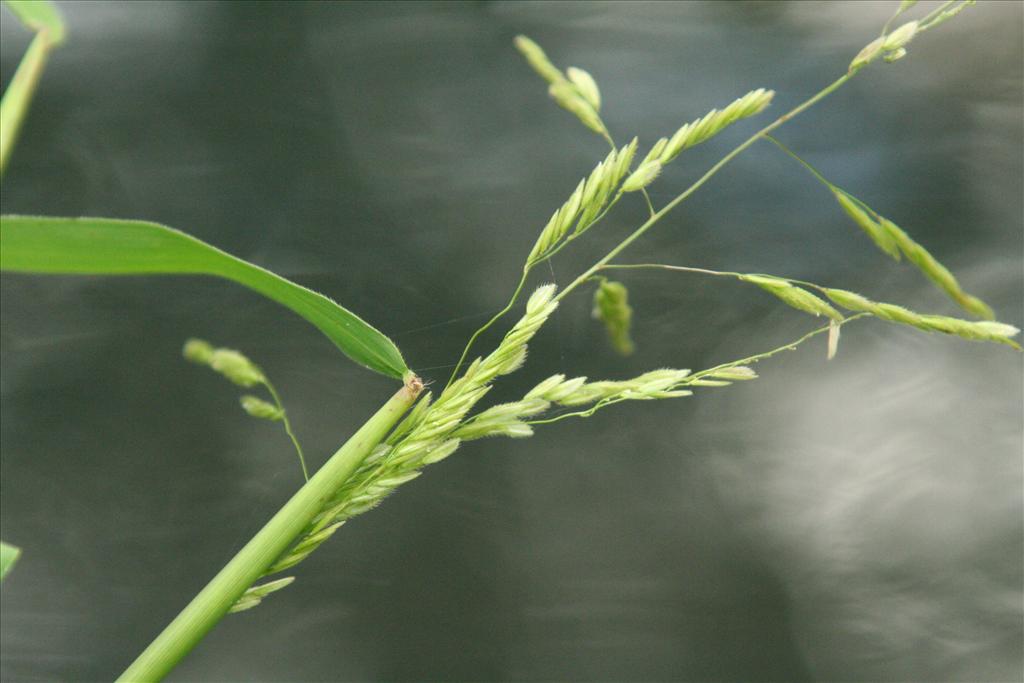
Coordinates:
852 520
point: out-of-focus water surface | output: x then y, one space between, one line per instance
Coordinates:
853 520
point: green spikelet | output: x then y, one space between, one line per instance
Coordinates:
611 306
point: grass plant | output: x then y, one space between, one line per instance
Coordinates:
414 428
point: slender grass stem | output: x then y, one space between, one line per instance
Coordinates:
825 92
288 426
705 271
813 171
19 93
756 358
253 560
497 316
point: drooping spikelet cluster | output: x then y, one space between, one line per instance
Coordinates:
891 45
575 90
983 330
794 296
237 368
585 204
611 306
893 240
803 300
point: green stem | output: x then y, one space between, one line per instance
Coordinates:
756 358
496 318
815 172
19 93
288 427
703 179
252 561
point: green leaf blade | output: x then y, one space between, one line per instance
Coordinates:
104 246
8 556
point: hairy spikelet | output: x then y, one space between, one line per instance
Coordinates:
255 594
714 122
575 91
967 329
947 14
227 362
586 86
643 176
879 235
585 204
611 306
894 241
259 408
936 272
794 296
890 46
537 59
237 368
577 391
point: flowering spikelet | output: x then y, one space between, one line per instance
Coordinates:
643 176
796 297
575 91
611 306
985 330
891 46
894 241
578 392
713 122
585 203
257 407
879 235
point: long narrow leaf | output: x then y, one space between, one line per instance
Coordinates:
107 246
8 556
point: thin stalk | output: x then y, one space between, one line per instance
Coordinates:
813 171
288 427
19 93
925 23
708 271
756 358
253 560
791 346
703 179
497 316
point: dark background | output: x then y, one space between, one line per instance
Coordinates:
853 520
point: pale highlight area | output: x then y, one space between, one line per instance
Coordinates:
887 495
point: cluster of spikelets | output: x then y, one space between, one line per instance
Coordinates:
584 206
891 45
611 307
575 90
894 241
240 370
434 430
803 300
